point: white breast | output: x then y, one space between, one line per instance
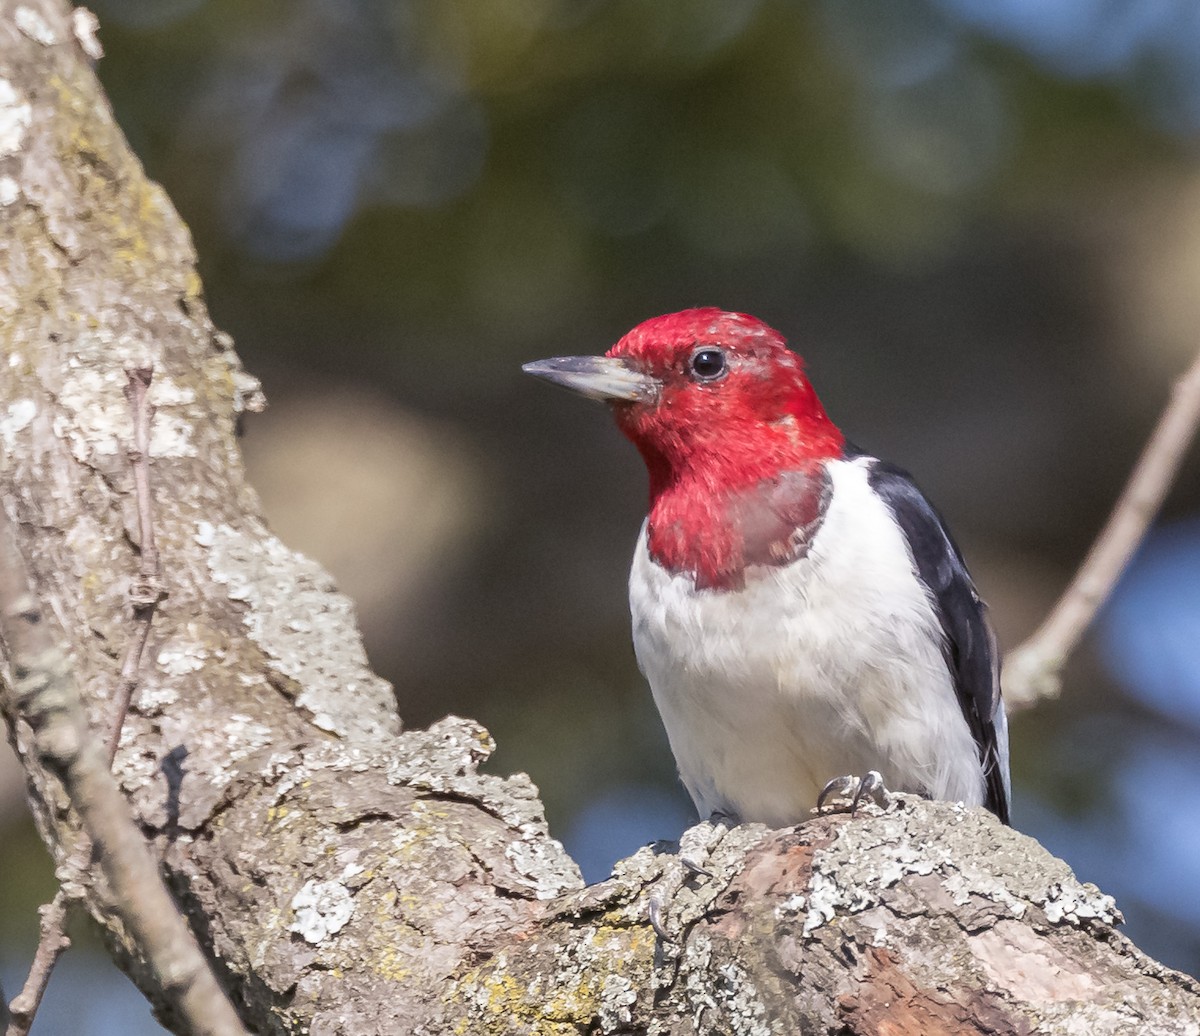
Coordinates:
831 665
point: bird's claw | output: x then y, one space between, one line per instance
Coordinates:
853 790
693 868
656 917
696 846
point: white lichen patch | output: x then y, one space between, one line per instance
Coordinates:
322 908
17 418
156 700
698 985
94 416
544 865
443 760
247 735
343 756
178 658
96 420
1075 903
324 721
724 989
791 905
850 874
961 887
16 116
738 998
617 997
30 23
452 747
138 770
10 191
171 436
824 899
164 392
404 838
325 657
206 534
248 394
976 858
85 26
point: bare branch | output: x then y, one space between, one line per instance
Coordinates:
148 590
52 944
46 697
1032 670
145 595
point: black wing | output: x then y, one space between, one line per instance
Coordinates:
970 647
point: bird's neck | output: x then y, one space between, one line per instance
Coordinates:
745 504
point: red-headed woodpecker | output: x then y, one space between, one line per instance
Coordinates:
799 608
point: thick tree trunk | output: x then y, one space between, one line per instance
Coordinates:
349 878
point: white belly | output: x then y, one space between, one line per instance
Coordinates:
830 665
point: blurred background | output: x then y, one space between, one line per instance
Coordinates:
978 220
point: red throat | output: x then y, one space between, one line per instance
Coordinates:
709 447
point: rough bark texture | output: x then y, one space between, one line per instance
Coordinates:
350 878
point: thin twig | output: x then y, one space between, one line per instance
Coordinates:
1032 670
45 695
145 594
53 941
147 590
52 944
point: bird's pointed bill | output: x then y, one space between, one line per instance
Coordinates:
598 377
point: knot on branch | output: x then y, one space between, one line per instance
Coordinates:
147 592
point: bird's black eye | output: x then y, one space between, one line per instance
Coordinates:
708 363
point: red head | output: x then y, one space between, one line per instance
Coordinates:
733 405
719 408
706 396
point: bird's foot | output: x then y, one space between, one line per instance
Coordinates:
846 794
696 846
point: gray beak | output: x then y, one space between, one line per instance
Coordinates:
597 377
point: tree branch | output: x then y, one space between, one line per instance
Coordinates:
1032 670
145 595
147 591
44 696
52 944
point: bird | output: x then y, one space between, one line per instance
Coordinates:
799 608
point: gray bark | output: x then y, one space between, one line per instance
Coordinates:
347 877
